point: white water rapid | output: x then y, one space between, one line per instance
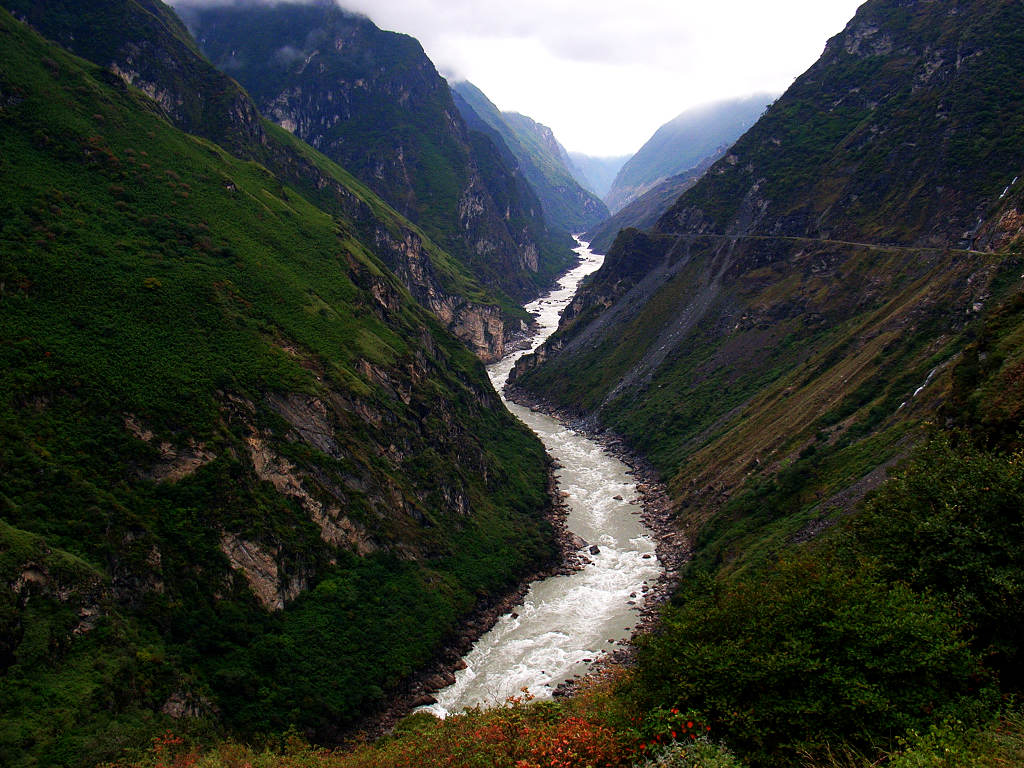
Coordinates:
565 622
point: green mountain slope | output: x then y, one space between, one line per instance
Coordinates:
684 143
837 299
772 343
372 101
146 44
542 160
237 461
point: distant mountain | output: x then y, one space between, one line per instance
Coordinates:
247 483
372 101
543 161
645 211
596 173
683 143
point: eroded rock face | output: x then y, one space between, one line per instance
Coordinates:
311 419
261 571
309 416
865 40
36 580
175 462
340 531
186 704
482 327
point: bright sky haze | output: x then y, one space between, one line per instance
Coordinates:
605 75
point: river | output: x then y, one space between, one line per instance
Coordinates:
565 623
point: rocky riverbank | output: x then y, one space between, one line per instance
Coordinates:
672 547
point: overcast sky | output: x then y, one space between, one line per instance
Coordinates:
605 75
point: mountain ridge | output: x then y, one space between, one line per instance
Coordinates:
175 72
806 239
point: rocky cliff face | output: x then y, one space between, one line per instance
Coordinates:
372 101
808 297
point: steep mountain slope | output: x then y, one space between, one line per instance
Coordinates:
145 44
772 343
596 173
684 143
372 101
237 461
645 211
541 158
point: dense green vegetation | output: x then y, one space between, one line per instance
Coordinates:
238 462
805 654
905 617
859 649
196 360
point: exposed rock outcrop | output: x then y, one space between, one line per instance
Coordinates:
268 584
175 462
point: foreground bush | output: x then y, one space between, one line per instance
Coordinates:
807 655
697 754
950 745
952 522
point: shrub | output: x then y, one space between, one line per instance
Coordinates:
697 754
810 653
952 521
